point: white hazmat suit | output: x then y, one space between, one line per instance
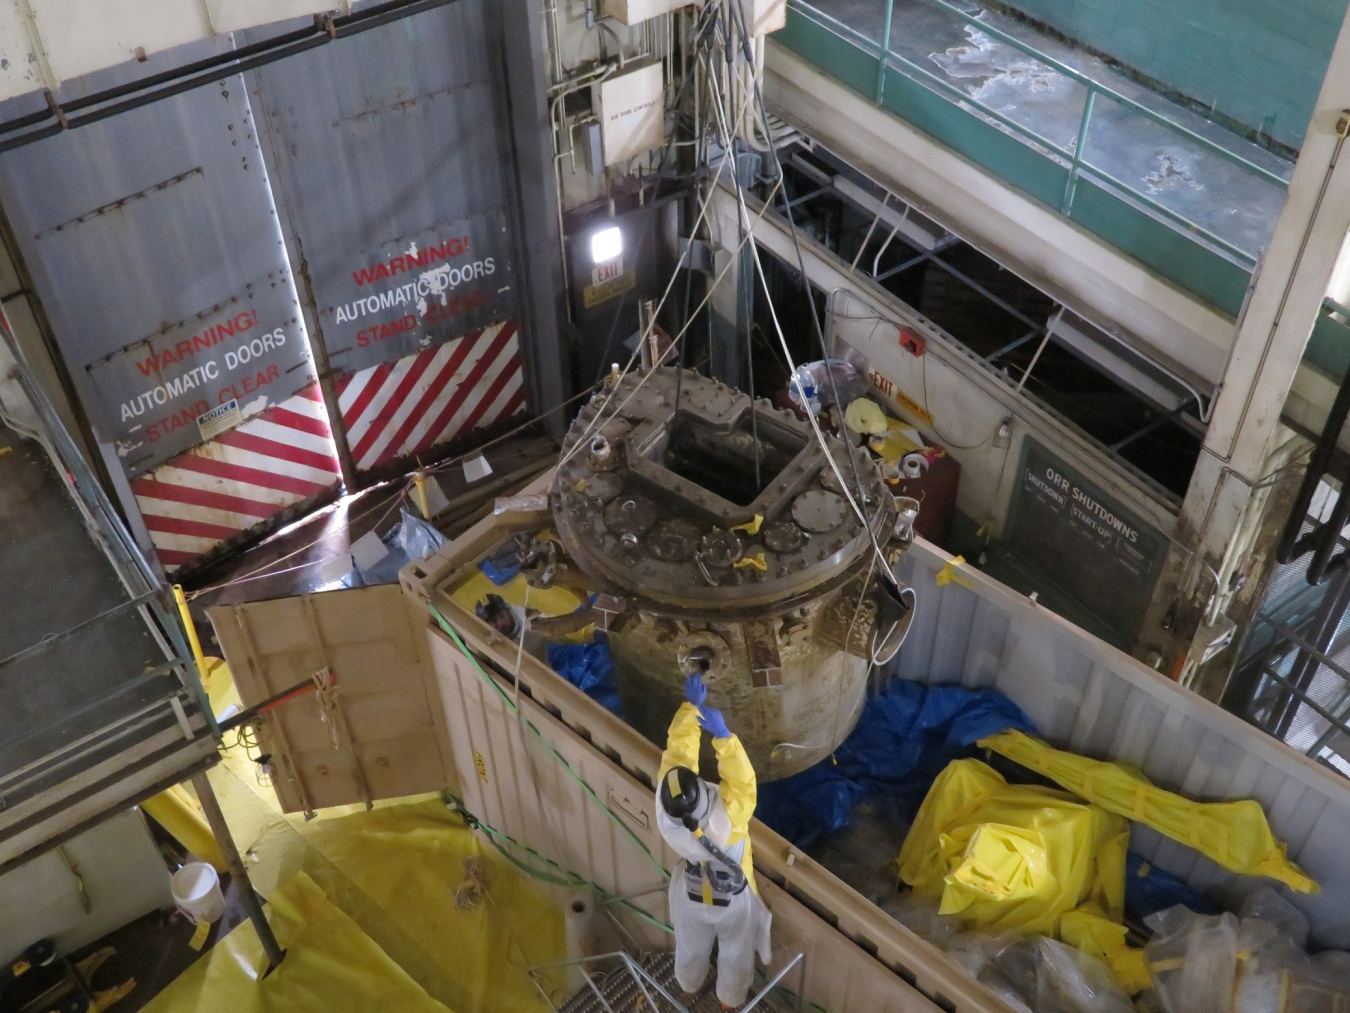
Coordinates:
703 907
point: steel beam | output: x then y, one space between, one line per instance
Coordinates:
1216 536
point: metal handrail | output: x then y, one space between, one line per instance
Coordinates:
1076 153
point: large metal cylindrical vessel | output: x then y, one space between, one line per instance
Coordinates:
723 541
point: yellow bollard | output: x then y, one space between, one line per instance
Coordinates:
420 493
176 811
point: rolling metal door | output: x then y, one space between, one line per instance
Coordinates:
154 243
392 181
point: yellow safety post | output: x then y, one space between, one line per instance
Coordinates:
193 642
176 811
420 491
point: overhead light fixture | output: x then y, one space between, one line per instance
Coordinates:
606 245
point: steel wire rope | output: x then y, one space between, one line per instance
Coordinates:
642 338
747 48
600 416
704 203
787 352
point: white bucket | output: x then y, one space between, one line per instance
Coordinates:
196 891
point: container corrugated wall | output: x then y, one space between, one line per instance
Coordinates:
511 779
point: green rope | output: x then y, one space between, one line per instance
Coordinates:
562 877
450 631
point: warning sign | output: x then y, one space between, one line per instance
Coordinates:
417 291
220 419
1098 550
594 295
168 392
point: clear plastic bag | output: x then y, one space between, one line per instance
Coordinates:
1193 960
829 377
1017 966
418 538
921 917
1266 903
1070 981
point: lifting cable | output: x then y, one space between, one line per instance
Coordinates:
787 352
627 831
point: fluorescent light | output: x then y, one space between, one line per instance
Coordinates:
606 245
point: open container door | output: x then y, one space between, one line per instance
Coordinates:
376 729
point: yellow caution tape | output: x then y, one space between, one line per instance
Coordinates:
198 939
757 561
949 573
750 527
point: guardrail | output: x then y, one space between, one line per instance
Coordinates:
1072 156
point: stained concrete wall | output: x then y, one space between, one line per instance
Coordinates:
1259 62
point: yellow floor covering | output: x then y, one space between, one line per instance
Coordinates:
365 904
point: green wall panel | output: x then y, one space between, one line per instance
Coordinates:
1260 62
1141 235
1153 243
1004 155
1329 346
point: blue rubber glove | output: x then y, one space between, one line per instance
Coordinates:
694 690
711 719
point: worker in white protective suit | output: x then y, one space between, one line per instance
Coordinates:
713 895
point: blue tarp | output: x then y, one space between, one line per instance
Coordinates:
1149 890
589 669
904 739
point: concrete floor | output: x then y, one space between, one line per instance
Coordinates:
1179 174
53 576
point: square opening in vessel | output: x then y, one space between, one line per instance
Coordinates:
724 463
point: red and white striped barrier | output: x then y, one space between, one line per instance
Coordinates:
413 403
238 479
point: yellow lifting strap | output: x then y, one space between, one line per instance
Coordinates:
1233 834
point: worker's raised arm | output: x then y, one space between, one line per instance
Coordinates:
682 741
739 786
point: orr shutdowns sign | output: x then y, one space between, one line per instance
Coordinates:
169 392
1098 551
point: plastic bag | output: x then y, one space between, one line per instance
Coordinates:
418 538
1070 981
921 917
1266 904
1234 834
903 740
1013 857
825 378
1193 959
590 669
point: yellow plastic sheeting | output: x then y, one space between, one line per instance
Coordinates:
397 871
1026 859
552 601
1234 834
1092 932
1013 857
331 966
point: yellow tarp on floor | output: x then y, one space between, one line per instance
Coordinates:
330 966
397 872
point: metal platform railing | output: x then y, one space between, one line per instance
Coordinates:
623 984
